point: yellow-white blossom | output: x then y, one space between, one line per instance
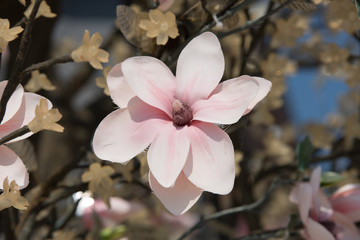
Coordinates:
45 119
11 196
7 34
90 52
44 10
101 81
162 26
39 81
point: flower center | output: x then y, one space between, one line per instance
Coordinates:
181 113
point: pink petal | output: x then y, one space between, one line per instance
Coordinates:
126 132
178 198
317 231
210 165
199 69
12 167
302 195
23 116
228 102
165 4
119 89
348 228
14 102
315 186
264 88
168 153
119 211
346 201
151 80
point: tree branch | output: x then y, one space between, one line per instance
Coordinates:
239 209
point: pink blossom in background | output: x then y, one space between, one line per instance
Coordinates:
320 219
118 212
20 110
188 154
346 200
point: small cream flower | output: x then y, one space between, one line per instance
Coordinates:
39 81
7 34
45 118
101 81
90 52
11 197
162 26
44 10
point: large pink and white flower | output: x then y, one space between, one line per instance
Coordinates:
20 110
347 201
188 153
322 220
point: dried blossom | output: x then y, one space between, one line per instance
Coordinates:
11 196
276 68
7 34
39 81
45 119
99 180
125 170
352 130
342 15
334 58
321 136
101 81
44 10
353 72
90 52
162 26
288 31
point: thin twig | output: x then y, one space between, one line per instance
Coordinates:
17 133
46 188
21 22
47 63
239 209
226 13
252 23
14 79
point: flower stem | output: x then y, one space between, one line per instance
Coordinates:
47 63
252 23
17 133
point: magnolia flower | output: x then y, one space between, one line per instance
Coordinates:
162 26
44 10
7 34
20 110
45 118
90 52
321 220
188 154
118 212
346 200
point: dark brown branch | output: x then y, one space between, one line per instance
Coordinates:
17 133
46 64
239 209
14 79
